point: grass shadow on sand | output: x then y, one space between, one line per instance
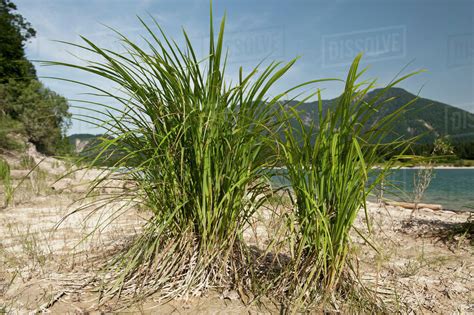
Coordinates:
448 233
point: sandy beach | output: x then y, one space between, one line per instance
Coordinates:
424 260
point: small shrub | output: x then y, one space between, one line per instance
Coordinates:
11 132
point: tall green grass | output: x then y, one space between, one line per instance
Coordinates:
329 164
197 148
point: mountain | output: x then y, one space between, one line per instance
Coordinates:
431 118
80 141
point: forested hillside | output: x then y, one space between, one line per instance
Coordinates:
425 118
428 119
29 111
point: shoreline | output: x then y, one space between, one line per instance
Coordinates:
371 203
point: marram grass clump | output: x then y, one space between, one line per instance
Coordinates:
197 148
332 166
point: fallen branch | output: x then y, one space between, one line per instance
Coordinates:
410 205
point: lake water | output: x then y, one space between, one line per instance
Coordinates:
452 188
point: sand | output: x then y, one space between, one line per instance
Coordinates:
422 263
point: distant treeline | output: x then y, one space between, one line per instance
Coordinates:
461 150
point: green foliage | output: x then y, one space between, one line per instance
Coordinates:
15 31
193 144
36 112
198 150
464 150
469 163
5 179
328 167
425 119
461 149
8 129
27 108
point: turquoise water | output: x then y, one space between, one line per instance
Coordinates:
452 188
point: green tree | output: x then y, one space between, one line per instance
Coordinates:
43 114
28 110
15 32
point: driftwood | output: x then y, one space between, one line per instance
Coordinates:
410 205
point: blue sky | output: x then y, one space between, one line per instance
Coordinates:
434 35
